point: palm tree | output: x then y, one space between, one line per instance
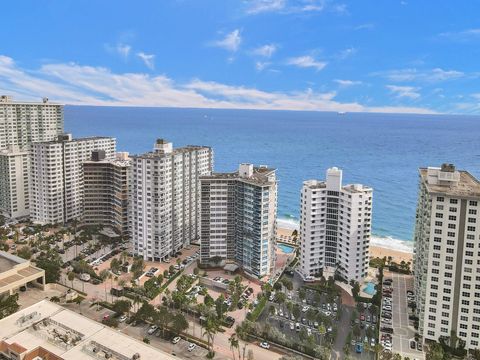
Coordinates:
234 345
210 330
104 274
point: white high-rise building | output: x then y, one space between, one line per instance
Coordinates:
447 255
238 216
56 176
165 197
335 227
14 176
22 123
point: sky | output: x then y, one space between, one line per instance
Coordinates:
375 56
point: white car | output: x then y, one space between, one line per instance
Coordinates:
280 312
152 329
309 331
305 308
265 345
191 347
122 318
292 326
176 339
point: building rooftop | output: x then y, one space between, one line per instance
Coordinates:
260 175
451 182
351 188
48 327
68 138
8 261
8 100
159 155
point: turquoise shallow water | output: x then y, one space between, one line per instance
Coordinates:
286 248
380 150
370 289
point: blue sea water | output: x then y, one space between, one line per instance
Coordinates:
380 150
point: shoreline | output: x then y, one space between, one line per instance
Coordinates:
399 250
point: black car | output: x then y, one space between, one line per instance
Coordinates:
413 345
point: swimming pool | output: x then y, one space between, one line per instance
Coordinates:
370 289
287 249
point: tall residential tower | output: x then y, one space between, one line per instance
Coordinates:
56 176
447 255
335 227
238 215
165 195
106 184
21 124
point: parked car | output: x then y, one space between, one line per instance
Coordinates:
152 329
191 347
176 339
265 345
122 318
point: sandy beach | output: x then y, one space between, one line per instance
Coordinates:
398 256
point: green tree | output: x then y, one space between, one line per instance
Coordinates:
434 352
233 341
122 306
25 253
164 318
220 306
51 263
179 323
104 274
8 305
301 293
196 271
115 265
211 328
71 277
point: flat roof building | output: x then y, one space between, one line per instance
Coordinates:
56 333
238 217
446 259
335 228
16 272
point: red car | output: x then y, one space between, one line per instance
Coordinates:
362 317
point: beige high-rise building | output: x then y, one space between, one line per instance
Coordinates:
21 124
56 176
447 255
106 185
165 198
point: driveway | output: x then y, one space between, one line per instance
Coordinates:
403 332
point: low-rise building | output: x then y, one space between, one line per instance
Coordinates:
48 331
287 236
16 273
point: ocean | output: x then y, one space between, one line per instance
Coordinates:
383 151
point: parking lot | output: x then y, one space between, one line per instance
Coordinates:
403 331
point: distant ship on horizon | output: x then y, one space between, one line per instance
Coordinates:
341 112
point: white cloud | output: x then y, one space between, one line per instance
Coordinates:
120 49
261 65
87 85
260 6
346 53
463 35
230 42
265 51
431 75
148 59
367 26
306 62
347 83
409 92
255 7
